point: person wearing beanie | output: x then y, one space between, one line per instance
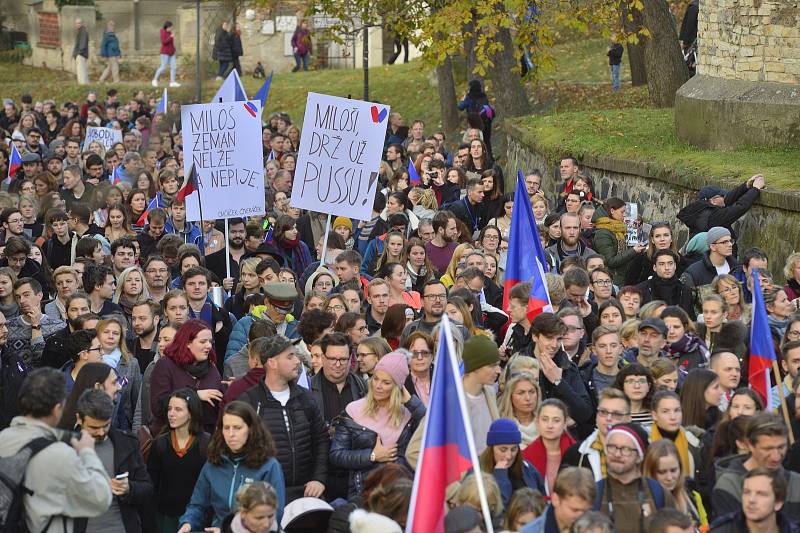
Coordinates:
718 260
377 428
717 207
344 227
503 459
625 496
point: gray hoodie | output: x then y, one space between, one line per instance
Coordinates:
65 483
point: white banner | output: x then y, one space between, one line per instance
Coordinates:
223 142
339 156
108 137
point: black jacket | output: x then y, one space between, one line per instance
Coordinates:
128 458
222 46
703 272
473 216
357 384
672 291
701 216
147 243
574 392
353 443
174 477
31 269
303 451
55 354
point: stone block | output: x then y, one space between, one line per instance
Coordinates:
774 66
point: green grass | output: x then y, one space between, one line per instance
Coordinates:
649 135
406 88
583 60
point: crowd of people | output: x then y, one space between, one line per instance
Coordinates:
142 400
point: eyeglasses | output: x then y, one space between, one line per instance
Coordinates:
615 415
338 361
602 282
636 382
361 355
792 334
338 307
435 296
725 242
573 329
624 451
424 354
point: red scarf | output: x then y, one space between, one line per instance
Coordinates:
536 454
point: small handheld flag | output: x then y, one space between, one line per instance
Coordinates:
762 351
413 177
116 177
189 186
155 202
162 104
14 163
526 258
448 448
263 92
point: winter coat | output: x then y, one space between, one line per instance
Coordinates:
167 43
65 483
301 40
703 272
573 391
174 477
109 46
235 304
353 443
167 377
582 454
191 234
701 216
530 478
616 254
128 458
735 523
216 488
239 335
222 46
357 385
672 291
615 54
727 494
303 451
236 45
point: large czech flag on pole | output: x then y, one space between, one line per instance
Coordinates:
526 260
448 449
762 351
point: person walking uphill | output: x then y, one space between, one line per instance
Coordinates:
80 52
168 55
301 45
109 49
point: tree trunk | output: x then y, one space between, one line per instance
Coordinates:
666 70
469 49
447 97
632 22
512 100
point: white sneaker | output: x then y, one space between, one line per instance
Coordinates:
154 83
219 78
174 84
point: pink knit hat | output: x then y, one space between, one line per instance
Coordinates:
396 365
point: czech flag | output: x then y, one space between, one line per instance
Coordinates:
188 187
526 260
14 163
155 202
448 450
762 351
263 92
413 177
162 104
116 177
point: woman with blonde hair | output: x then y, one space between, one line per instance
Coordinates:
731 291
110 333
131 290
519 402
249 283
662 462
449 277
791 271
258 506
377 428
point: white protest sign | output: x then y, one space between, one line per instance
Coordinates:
108 137
223 142
339 156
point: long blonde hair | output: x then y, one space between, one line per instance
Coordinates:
505 407
665 448
458 253
118 292
114 319
396 408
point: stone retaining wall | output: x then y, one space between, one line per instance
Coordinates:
772 224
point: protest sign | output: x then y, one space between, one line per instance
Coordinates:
223 142
108 137
339 156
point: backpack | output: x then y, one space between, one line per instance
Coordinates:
12 488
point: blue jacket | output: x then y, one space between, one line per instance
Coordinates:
530 477
371 255
216 489
109 46
545 523
190 235
241 330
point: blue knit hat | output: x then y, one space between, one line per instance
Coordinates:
503 431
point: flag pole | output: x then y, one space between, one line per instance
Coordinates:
784 409
228 254
325 241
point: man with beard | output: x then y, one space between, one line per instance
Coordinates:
440 249
570 244
626 497
145 317
665 285
216 262
156 274
123 462
434 300
78 314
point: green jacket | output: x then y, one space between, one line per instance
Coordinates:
605 244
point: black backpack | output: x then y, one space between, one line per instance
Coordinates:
12 488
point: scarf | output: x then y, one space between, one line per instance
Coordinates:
681 443
616 227
687 344
777 325
380 422
529 433
112 359
669 290
199 369
181 452
205 314
126 304
412 278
